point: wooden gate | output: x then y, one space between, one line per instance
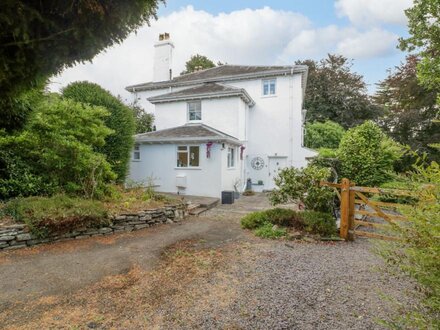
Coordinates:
358 210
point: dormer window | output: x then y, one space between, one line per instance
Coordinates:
269 87
194 111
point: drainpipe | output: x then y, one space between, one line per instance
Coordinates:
291 118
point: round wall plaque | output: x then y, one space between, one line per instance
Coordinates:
257 163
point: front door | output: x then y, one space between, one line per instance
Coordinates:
275 165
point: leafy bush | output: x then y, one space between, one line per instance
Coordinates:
267 231
284 217
119 144
418 253
319 223
323 135
57 214
254 220
367 156
55 151
303 185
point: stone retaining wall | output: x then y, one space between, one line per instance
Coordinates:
18 235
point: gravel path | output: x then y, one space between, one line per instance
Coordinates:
295 286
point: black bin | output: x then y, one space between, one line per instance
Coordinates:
228 197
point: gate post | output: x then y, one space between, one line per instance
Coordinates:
345 209
351 210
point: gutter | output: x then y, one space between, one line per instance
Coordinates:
215 139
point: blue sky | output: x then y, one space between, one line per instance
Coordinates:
257 32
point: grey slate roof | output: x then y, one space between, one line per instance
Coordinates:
203 91
222 73
186 133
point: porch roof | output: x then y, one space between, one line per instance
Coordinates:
186 133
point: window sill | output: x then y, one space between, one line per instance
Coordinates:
194 121
268 96
136 160
188 168
231 168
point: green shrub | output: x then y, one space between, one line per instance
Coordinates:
254 220
323 135
284 217
56 151
294 185
319 223
418 253
57 214
367 155
267 231
119 144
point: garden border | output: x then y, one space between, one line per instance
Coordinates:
19 236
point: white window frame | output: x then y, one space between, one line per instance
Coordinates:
269 82
136 151
231 158
188 155
196 103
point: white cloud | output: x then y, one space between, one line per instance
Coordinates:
367 12
261 36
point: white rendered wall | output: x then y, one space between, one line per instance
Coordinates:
158 161
230 176
224 114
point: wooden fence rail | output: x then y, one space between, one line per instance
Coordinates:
349 194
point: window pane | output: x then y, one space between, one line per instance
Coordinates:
182 148
195 110
272 87
137 155
265 88
232 157
182 159
193 156
198 115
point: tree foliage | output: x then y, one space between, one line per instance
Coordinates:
367 156
336 93
143 120
117 145
40 38
409 108
55 151
424 30
323 135
197 62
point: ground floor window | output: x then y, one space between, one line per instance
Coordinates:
188 156
136 152
231 157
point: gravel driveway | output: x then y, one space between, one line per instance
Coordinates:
221 277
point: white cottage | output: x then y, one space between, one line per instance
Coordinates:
219 127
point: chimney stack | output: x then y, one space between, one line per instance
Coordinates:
163 55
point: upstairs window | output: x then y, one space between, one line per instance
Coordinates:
136 152
231 157
194 111
188 156
269 87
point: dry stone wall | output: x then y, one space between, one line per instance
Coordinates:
18 235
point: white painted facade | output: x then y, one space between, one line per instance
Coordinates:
270 129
